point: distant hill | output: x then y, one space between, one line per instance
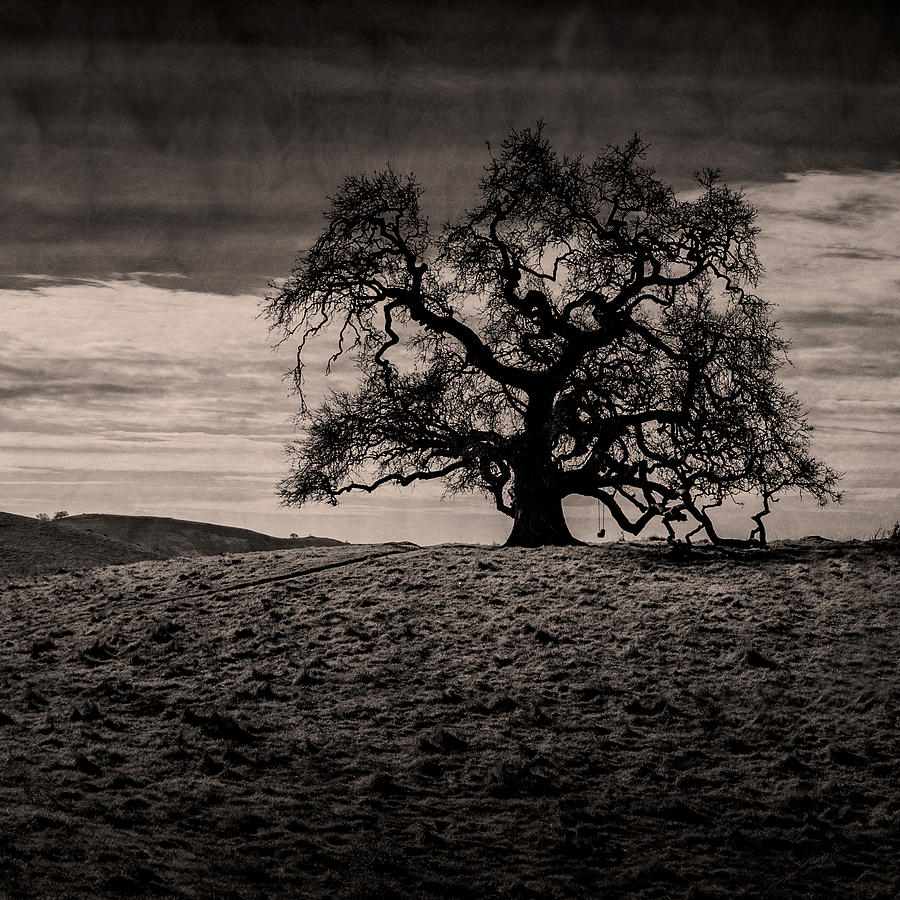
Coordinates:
178 537
31 547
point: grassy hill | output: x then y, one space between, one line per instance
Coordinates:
177 537
456 721
29 546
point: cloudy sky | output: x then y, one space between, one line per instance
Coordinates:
161 163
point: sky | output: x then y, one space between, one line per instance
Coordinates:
161 162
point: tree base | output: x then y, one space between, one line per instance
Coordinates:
537 542
539 520
542 534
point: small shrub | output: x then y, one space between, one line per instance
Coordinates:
60 514
42 517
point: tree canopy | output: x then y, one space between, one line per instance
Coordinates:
581 330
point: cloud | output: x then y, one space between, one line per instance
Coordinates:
87 369
829 245
855 316
858 254
204 146
72 380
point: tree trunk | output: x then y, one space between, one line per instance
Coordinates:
539 516
536 493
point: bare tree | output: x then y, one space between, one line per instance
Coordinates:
581 330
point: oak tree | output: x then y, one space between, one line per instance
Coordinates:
583 329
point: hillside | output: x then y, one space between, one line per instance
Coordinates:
456 721
177 537
30 547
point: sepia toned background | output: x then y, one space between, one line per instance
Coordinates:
161 163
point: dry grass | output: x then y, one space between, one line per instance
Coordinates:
457 721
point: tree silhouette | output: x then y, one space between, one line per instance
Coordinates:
581 330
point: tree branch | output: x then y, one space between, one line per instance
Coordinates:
404 479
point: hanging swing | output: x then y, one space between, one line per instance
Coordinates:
601 519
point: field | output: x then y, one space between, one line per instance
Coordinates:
455 721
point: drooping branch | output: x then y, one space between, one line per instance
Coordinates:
620 516
760 530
